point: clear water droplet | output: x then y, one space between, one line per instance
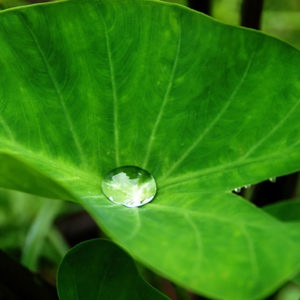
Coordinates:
247 186
237 190
129 185
272 179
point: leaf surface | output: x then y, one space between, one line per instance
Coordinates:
287 211
98 269
204 107
221 238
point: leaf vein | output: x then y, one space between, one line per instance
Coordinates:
200 214
252 253
165 184
164 101
57 91
213 122
114 92
197 237
7 129
271 132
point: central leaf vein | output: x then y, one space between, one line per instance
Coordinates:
114 92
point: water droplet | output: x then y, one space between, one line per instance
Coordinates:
237 190
272 179
129 185
247 186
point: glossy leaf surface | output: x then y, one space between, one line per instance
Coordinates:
202 106
98 269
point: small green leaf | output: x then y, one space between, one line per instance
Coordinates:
98 269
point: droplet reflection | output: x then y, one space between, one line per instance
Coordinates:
130 186
237 190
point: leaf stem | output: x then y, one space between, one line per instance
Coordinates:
38 232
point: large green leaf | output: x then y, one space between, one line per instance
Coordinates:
88 86
214 240
97 269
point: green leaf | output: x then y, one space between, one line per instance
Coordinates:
98 269
212 240
204 107
286 211
20 176
38 232
297 279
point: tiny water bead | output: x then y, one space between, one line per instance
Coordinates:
237 190
130 186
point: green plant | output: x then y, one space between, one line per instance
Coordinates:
88 86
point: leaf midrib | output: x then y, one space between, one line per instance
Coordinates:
164 101
114 91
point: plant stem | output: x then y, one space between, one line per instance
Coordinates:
38 232
58 243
